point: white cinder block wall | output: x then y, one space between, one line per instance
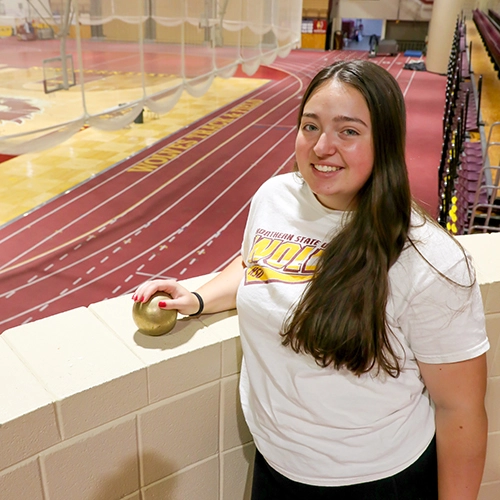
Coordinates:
90 409
485 250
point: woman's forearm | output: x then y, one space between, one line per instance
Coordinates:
219 294
461 448
458 391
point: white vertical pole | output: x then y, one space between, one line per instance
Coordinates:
441 30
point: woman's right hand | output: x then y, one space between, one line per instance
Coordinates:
182 299
219 294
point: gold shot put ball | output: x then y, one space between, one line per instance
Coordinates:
150 319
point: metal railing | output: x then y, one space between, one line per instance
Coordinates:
404 45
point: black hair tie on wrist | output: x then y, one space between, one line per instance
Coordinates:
202 304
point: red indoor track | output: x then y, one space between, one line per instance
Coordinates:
185 215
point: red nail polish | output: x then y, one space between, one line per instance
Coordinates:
162 303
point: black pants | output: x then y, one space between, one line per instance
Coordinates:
417 482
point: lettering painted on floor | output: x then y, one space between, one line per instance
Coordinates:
190 140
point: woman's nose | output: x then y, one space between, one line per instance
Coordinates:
325 146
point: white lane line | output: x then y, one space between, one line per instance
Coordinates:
409 83
224 264
401 70
394 61
157 276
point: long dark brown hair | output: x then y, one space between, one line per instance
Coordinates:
341 317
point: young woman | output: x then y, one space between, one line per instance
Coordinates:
361 320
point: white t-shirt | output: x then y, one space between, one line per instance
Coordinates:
328 427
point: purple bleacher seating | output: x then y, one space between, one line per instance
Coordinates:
489 34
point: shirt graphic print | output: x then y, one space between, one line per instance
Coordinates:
282 257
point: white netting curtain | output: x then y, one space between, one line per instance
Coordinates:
149 52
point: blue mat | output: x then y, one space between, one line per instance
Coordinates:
413 53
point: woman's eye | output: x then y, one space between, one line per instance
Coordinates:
350 131
308 127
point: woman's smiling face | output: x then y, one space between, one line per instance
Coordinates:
334 146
